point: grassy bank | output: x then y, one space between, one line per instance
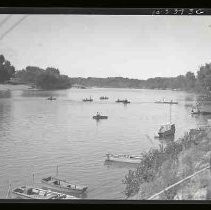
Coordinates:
163 167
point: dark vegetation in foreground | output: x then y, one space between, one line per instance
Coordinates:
165 166
50 78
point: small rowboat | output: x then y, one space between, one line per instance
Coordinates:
123 101
26 192
51 98
126 102
123 158
62 185
88 100
98 117
103 98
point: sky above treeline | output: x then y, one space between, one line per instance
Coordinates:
108 46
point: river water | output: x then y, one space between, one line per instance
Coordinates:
36 134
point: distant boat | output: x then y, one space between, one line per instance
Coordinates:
51 98
88 99
168 129
103 98
195 110
26 192
63 185
119 101
166 102
125 101
98 117
123 158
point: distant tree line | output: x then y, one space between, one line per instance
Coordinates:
6 69
49 78
189 82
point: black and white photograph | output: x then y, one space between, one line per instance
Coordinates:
105 107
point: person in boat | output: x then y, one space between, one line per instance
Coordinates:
98 114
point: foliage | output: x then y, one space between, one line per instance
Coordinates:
6 69
44 79
153 160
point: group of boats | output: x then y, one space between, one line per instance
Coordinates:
124 101
54 188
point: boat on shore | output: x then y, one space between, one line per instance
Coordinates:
62 185
123 158
103 98
27 192
98 117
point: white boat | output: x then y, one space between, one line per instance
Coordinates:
27 192
168 129
123 158
166 102
62 185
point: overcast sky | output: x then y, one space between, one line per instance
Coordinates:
106 46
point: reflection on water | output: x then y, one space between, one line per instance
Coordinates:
114 164
5 94
37 134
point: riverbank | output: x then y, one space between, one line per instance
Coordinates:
5 87
166 166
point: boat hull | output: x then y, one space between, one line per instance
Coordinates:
122 159
61 189
99 118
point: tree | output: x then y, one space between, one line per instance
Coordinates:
190 80
6 69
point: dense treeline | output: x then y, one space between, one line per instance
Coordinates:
50 78
199 82
6 69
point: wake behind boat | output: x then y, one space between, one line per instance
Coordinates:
63 185
26 192
123 158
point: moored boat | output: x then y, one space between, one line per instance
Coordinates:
63 185
27 192
166 130
123 158
166 102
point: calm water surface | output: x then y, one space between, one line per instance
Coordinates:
37 134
